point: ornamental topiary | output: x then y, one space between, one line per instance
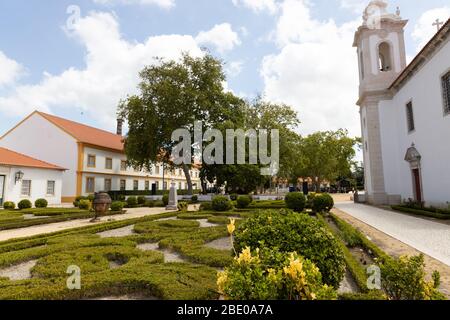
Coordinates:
221 203
290 232
244 201
141 200
76 203
322 203
165 199
194 199
9 205
132 202
295 201
149 203
206 206
41 203
24 204
85 204
233 196
272 275
117 206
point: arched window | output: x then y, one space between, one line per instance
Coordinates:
385 60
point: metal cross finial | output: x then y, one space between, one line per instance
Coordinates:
438 24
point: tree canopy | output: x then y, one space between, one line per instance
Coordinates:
173 95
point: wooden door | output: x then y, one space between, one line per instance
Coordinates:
2 190
417 185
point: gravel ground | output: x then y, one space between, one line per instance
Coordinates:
169 256
33 217
427 236
348 285
167 219
127 297
220 244
117 233
205 224
18 272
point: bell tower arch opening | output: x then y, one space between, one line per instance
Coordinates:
385 57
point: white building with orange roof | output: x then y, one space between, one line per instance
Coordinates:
94 158
23 177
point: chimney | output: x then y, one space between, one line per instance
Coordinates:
119 126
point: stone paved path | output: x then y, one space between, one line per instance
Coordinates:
391 244
59 226
427 236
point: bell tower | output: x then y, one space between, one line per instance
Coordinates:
381 56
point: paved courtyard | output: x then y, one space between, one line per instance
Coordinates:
426 235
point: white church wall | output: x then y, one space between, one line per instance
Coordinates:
368 178
431 134
40 139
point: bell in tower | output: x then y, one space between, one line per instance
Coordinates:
381 56
381 47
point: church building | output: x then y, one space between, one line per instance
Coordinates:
405 111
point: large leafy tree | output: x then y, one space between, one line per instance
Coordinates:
173 95
258 114
326 156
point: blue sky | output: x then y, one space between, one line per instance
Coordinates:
288 50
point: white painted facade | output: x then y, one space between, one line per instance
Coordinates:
38 137
100 173
384 96
10 190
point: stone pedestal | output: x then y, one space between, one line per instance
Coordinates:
173 197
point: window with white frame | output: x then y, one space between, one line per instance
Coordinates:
91 161
123 185
108 185
108 163
90 185
136 185
51 188
26 188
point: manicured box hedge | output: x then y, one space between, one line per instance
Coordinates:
427 212
116 194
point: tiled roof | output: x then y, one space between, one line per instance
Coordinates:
12 158
86 134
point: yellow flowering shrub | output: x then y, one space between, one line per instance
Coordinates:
404 279
272 275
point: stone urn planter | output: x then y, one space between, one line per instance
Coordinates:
102 202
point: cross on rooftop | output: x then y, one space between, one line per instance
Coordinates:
438 24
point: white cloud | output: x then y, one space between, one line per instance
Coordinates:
424 29
357 6
315 71
111 72
166 4
10 70
234 68
258 6
221 36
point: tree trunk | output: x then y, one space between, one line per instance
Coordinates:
188 179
